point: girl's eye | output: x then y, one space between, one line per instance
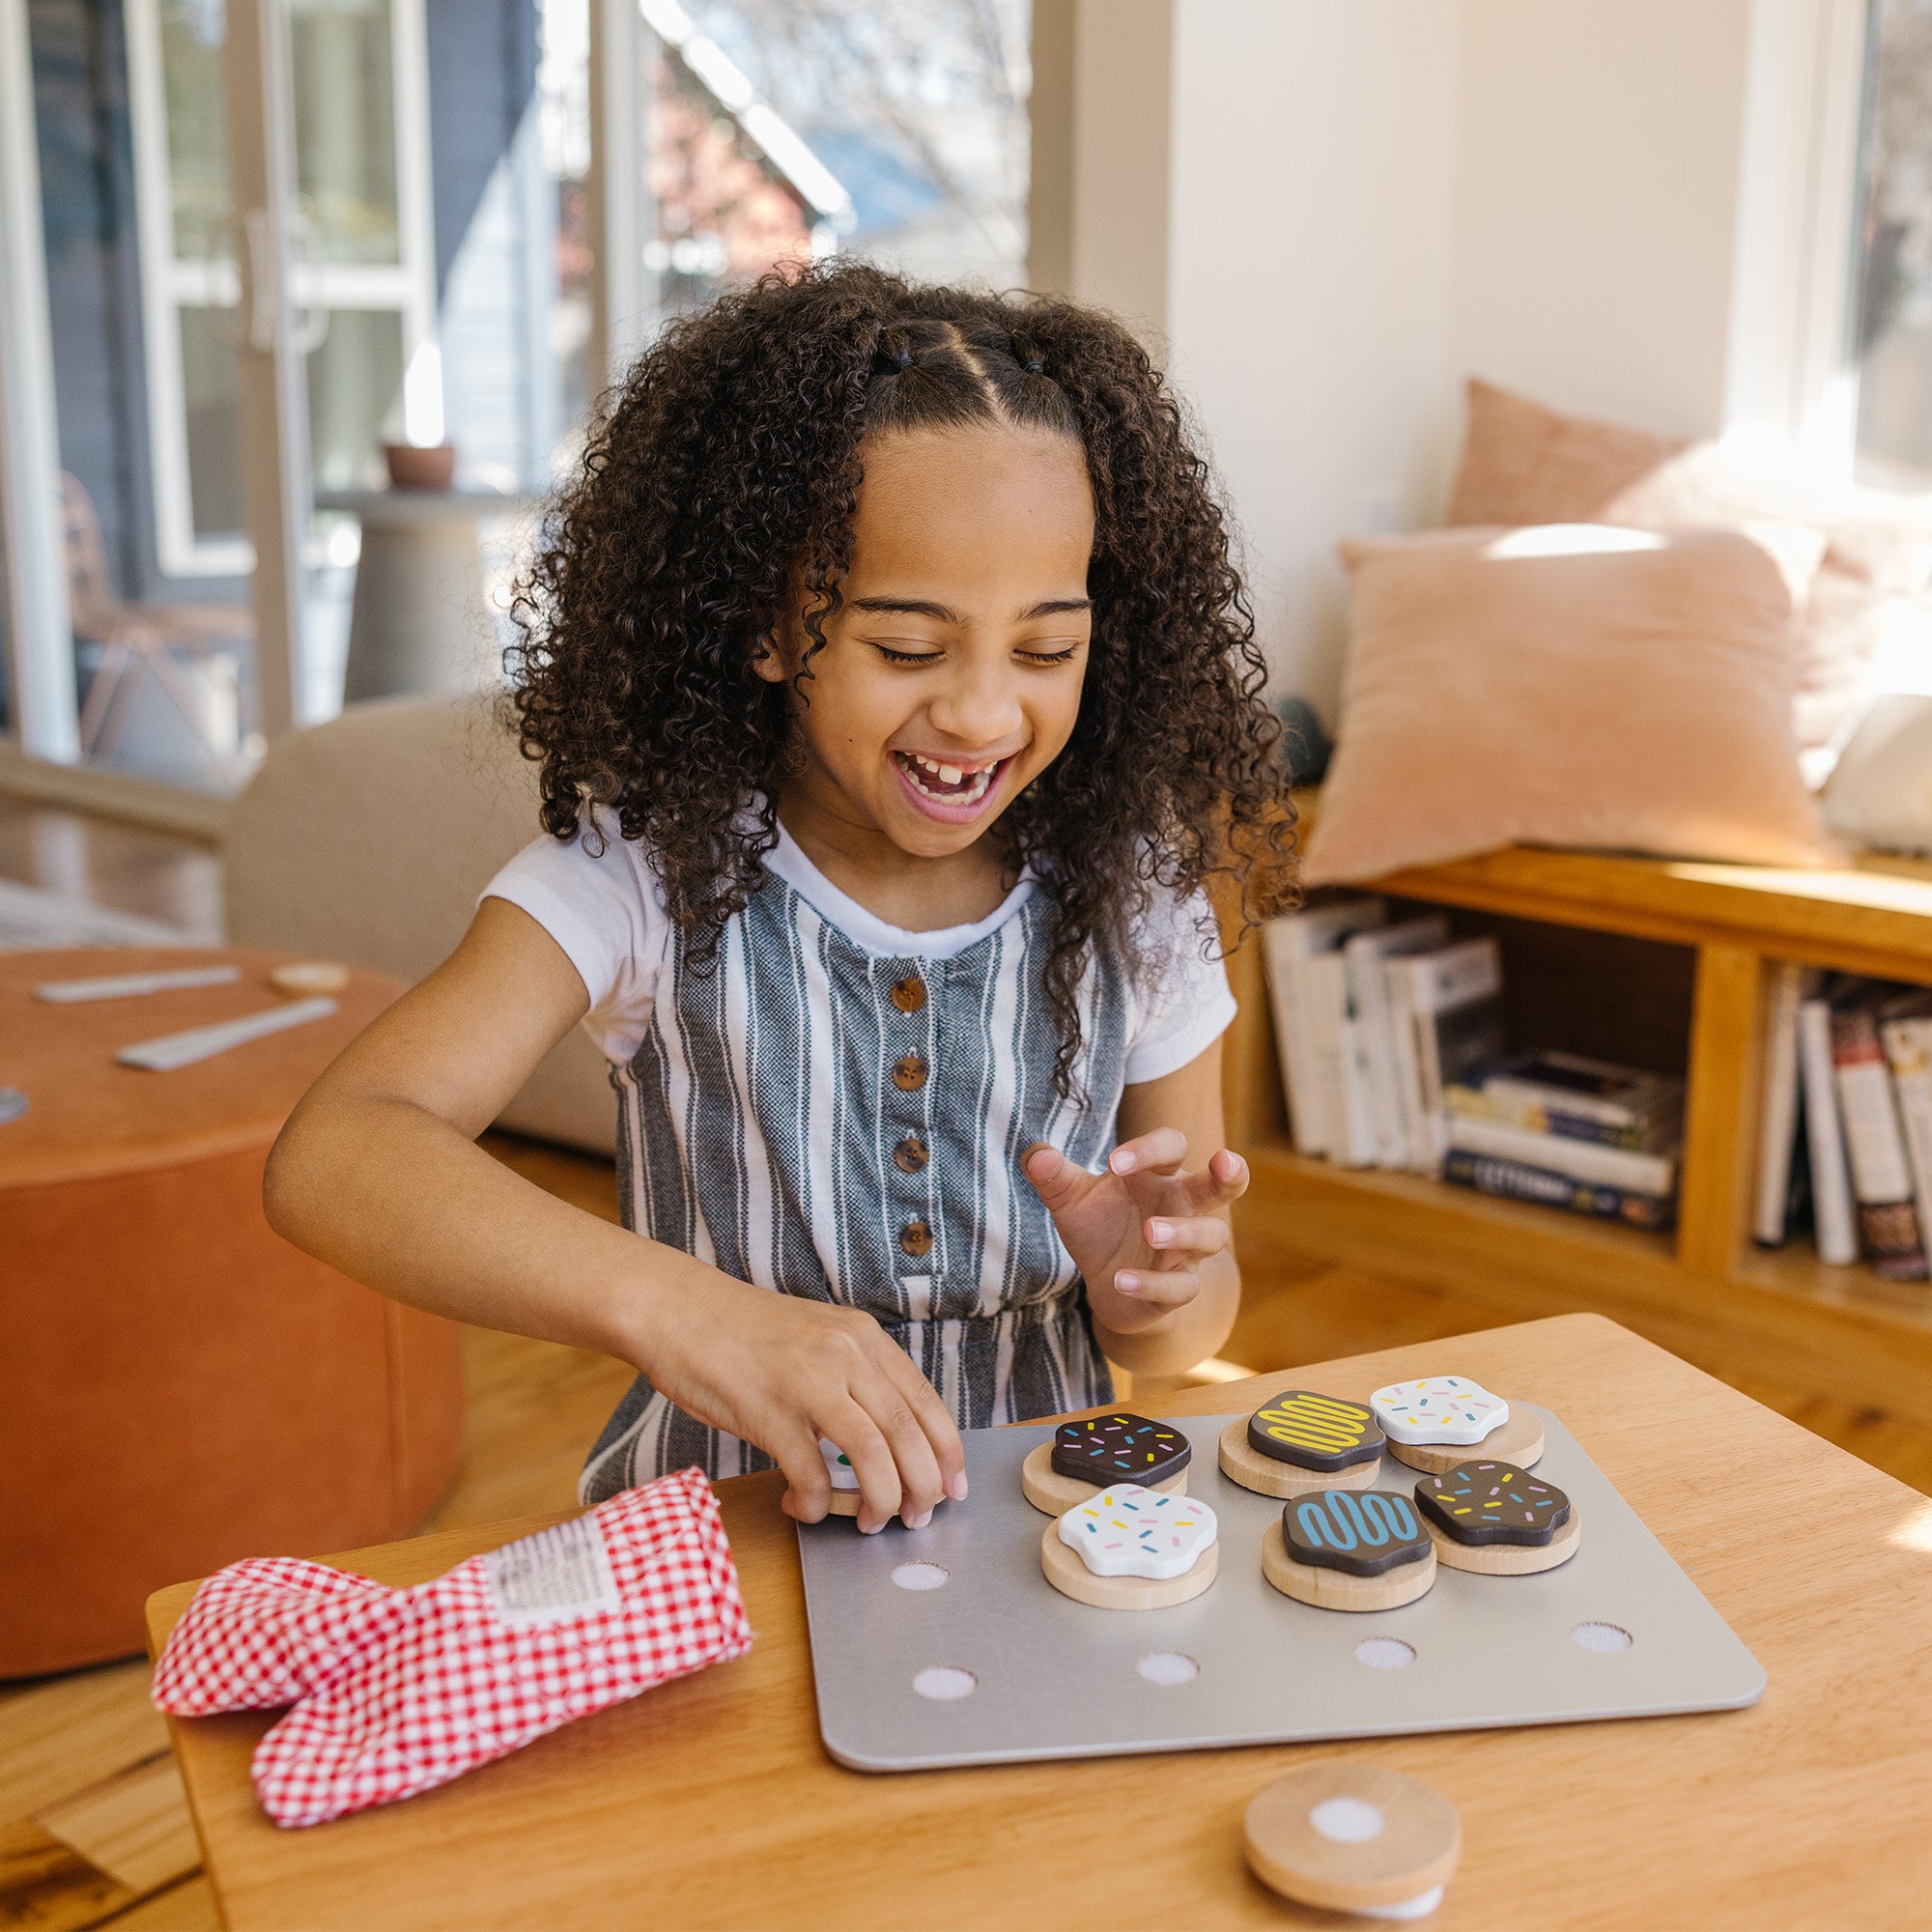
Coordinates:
891 655
1051 656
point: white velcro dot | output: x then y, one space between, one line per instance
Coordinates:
1384 1653
1168 1667
1606 1640
943 1682
1347 1821
922 1576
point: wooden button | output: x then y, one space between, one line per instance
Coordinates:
910 1156
916 1239
909 1073
909 994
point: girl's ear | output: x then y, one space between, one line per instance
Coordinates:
768 661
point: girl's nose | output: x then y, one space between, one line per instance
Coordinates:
979 705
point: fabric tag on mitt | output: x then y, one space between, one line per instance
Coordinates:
505 1647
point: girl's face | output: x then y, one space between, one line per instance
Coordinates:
950 676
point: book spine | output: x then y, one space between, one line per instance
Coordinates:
1505 1091
1517 1180
1907 1047
1417 1154
1830 1178
1875 1148
1580 1160
1368 989
1641 1137
1777 1105
1288 1000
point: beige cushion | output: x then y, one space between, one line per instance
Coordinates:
1525 464
1881 792
368 839
1565 686
1878 559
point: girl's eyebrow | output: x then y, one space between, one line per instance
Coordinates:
940 614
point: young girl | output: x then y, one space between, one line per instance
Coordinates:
895 698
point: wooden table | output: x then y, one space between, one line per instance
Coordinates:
711 1803
179 1387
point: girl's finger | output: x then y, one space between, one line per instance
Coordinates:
1160 1151
1193 1238
920 1481
1158 1289
847 1423
1059 1182
809 1488
1223 1179
935 1419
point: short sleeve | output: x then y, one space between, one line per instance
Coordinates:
1187 1005
597 896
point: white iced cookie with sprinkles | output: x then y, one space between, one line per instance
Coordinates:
844 1478
1432 1422
1439 1408
1131 1549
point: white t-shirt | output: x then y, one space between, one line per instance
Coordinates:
607 911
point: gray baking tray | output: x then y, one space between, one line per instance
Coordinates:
1617 1632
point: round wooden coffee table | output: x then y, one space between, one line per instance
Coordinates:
179 1387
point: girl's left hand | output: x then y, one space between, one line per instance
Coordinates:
1140 1230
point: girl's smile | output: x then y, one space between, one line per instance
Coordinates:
953 789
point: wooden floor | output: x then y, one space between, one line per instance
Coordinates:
93 1826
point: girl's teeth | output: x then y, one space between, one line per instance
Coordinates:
949 774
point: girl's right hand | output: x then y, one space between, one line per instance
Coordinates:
780 1372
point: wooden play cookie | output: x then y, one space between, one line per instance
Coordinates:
1439 1408
1131 1549
1354 1837
1300 1442
1102 1449
1494 1518
1344 1550
844 1479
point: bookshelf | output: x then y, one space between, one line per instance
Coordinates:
1699 989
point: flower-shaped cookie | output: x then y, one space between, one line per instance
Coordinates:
1439 1408
1129 1531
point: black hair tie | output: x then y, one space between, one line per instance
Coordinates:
1034 366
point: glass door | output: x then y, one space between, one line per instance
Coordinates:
229 206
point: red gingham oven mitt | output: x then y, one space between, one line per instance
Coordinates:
403 1690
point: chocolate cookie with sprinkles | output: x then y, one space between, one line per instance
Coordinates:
1497 1519
1101 1450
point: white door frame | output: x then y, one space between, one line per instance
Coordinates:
33 539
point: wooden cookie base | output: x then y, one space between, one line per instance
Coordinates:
1520 1440
1336 1589
1416 1849
844 1502
1071 1578
1509 1559
1046 1489
1243 1463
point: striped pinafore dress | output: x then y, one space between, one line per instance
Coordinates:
820 1120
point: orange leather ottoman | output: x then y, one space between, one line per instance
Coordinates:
179 1387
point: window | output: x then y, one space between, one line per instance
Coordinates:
1892 339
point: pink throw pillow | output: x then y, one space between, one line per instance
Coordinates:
1566 685
1525 464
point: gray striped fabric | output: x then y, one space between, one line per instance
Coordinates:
757 1126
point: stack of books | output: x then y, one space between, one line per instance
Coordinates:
1845 1119
1583 1134
1394 1055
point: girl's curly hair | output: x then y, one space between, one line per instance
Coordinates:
723 475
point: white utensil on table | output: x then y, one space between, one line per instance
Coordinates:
184 1049
132 985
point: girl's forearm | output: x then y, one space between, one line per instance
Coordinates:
395 1196
1190 1334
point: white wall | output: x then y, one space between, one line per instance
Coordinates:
1367 200
1309 281
1597 163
